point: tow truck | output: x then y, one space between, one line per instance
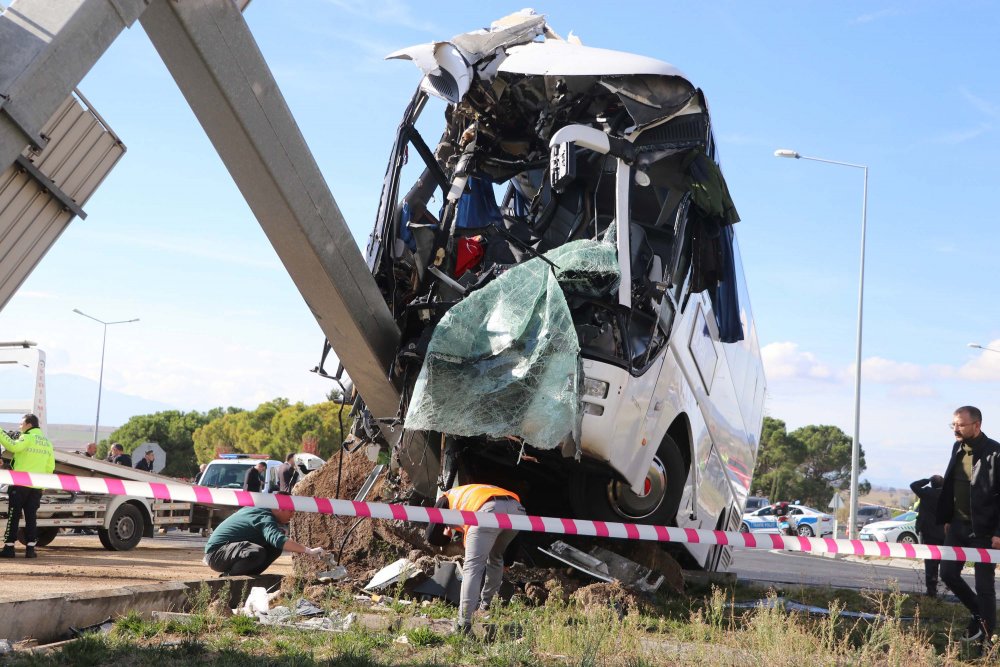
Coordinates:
121 521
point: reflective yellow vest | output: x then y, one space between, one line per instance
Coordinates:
32 451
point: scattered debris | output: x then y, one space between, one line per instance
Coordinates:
329 576
103 627
402 570
792 605
257 602
606 566
446 583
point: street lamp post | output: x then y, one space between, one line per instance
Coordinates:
982 347
100 381
855 446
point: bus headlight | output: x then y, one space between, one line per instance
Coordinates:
595 388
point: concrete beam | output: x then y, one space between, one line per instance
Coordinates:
215 61
46 48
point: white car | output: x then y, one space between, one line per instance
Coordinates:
900 528
806 521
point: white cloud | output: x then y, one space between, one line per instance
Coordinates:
886 371
985 107
985 367
784 361
962 136
876 16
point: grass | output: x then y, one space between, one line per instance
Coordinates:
704 629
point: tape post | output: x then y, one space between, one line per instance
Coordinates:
202 495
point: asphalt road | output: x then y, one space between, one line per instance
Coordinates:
790 568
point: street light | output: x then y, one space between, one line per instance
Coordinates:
980 347
100 382
855 447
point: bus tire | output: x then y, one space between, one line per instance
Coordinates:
125 530
605 498
43 538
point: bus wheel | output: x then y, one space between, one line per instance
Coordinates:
608 499
125 530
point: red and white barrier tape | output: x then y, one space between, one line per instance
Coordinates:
538 524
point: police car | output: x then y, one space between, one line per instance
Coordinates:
900 528
805 521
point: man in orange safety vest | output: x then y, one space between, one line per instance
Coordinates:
482 570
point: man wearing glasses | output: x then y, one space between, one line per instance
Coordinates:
32 453
969 508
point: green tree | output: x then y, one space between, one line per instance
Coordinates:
808 464
172 430
276 428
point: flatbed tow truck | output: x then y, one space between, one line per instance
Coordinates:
121 521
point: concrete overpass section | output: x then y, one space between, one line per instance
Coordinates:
48 46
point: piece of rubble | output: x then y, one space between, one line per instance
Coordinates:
402 570
606 566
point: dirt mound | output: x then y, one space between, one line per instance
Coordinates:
360 545
605 596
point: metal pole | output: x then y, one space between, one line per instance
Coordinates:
855 443
104 343
100 383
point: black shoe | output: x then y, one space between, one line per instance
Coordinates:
29 552
975 631
464 629
8 551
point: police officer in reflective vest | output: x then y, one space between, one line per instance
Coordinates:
32 453
482 571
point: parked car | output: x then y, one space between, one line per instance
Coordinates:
755 503
229 470
871 514
900 528
806 521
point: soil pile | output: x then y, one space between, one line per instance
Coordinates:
360 545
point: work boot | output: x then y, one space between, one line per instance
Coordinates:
459 628
8 551
29 552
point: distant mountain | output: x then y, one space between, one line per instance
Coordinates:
72 399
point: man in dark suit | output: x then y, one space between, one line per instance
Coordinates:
930 531
254 480
969 508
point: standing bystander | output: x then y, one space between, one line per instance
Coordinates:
928 528
969 508
146 462
32 453
287 474
117 455
254 479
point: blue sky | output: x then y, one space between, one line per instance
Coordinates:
910 89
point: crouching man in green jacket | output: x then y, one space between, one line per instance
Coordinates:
250 540
32 453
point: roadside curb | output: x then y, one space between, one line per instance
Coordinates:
50 617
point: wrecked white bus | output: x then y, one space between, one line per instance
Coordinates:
562 267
